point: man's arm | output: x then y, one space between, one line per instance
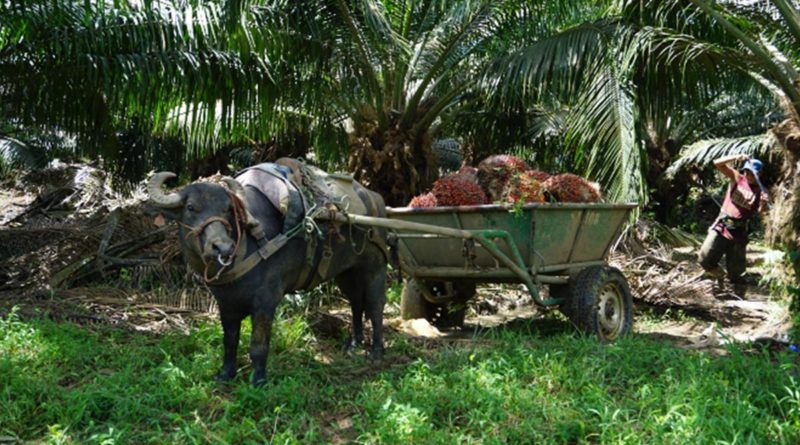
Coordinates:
722 165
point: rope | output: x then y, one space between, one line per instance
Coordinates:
239 215
367 234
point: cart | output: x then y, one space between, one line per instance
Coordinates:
446 251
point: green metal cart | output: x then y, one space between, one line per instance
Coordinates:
446 251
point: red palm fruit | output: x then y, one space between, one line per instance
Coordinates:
524 188
495 171
469 172
425 200
567 187
458 190
538 175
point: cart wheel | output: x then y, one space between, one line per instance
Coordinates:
451 313
601 302
562 291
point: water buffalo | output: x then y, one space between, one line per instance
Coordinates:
218 228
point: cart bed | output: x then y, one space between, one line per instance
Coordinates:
549 237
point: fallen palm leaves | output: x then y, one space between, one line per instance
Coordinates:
92 255
662 270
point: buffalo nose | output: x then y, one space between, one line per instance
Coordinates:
223 248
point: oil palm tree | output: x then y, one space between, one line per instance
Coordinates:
374 76
758 40
396 70
561 82
574 85
92 69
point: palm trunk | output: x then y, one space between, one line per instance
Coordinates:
396 164
783 226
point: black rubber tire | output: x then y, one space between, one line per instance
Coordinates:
601 303
442 315
562 291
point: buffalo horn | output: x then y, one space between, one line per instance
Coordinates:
157 195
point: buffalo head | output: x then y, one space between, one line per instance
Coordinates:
207 216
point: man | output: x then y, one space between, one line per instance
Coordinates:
746 196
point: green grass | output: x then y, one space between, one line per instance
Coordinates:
61 383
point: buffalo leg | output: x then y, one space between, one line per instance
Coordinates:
357 331
259 344
230 341
375 296
350 287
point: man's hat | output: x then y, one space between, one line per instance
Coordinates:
754 165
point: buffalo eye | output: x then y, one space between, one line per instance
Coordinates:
190 207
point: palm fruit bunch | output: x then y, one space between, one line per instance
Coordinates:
426 200
495 171
458 189
567 187
538 175
525 187
469 172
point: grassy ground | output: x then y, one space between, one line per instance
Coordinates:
62 383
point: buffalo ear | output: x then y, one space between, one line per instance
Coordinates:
161 215
168 215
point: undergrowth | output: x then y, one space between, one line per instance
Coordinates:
62 383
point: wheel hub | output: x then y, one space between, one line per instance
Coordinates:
610 314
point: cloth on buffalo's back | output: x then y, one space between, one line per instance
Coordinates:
272 181
326 188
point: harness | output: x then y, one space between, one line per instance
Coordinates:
238 215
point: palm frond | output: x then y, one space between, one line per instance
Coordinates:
459 33
602 130
557 63
15 154
94 67
705 151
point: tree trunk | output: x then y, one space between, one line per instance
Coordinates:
667 193
395 164
783 225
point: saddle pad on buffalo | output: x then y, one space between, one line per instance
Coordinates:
327 188
272 181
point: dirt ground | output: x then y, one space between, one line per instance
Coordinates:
681 306
673 301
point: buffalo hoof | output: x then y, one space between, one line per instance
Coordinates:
376 355
225 376
259 379
351 345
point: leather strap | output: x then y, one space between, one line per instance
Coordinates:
242 265
306 275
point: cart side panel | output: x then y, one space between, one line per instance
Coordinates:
448 252
555 231
518 225
598 230
546 235
432 251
